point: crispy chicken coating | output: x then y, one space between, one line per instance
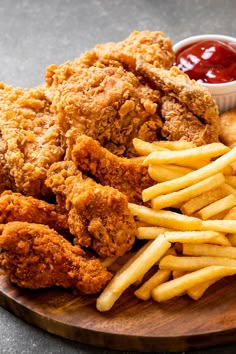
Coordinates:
188 110
34 256
119 91
98 216
227 123
30 140
17 207
100 95
109 104
127 175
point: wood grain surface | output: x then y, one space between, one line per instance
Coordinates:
175 325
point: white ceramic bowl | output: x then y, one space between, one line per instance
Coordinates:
224 93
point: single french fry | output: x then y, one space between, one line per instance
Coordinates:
225 226
129 275
136 159
231 180
227 171
176 273
197 237
144 292
177 286
150 232
175 144
197 291
231 215
218 206
191 178
232 239
171 199
209 250
163 173
205 152
227 189
107 262
202 200
189 264
165 218
219 216
144 148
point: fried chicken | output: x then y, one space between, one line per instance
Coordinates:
127 175
227 123
100 95
16 207
98 216
119 91
109 104
188 110
30 140
34 256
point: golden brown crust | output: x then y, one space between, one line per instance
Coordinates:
32 140
128 176
98 216
16 207
34 256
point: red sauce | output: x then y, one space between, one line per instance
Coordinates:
209 61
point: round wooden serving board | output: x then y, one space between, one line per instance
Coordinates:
176 325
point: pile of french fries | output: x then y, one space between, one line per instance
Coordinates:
189 228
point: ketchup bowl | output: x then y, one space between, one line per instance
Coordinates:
210 59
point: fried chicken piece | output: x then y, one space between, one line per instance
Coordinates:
109 104
152 46
227 123
30 139
34 256
127 175
188 109
100 95
98 216
16 207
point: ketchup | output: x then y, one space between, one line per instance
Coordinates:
209 61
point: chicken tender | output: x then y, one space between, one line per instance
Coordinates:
98 216
127 175
34 256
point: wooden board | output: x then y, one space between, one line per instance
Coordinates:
177 325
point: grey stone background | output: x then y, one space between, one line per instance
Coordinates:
35 34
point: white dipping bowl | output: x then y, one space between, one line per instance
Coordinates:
223 93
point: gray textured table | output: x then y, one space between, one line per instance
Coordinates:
34 34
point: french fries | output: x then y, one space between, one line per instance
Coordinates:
189 264
129 275
209 250
191 178
174 198
163 173
188 157
193 246
145 291
165 218
179 285
199 237
217 207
